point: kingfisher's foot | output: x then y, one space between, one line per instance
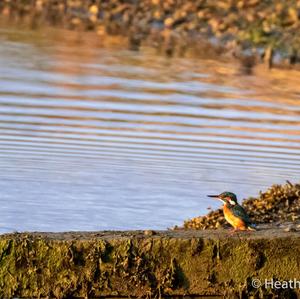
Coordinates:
232 231
237 230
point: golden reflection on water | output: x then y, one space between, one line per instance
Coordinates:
95 136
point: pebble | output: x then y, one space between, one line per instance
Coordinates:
290 229
149 232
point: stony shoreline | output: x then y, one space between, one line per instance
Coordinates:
148 263
251 31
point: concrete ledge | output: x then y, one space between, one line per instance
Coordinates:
137 263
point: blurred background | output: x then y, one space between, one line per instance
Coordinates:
97 136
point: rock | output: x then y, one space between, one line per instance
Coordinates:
290 229
149 232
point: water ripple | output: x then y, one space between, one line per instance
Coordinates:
103 138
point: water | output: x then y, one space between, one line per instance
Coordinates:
94 136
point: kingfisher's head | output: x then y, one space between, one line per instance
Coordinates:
226 198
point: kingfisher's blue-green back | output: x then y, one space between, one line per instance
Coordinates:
239 211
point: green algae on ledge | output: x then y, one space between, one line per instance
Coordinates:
133 264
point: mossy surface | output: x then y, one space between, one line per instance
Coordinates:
132 264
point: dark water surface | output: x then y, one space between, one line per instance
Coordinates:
97 137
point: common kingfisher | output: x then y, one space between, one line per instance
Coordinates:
233 212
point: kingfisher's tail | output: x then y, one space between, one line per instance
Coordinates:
252 227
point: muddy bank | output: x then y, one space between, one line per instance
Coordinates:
249 30
152 264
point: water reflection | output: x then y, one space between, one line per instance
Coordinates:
93 136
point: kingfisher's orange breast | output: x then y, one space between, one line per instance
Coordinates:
235 221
